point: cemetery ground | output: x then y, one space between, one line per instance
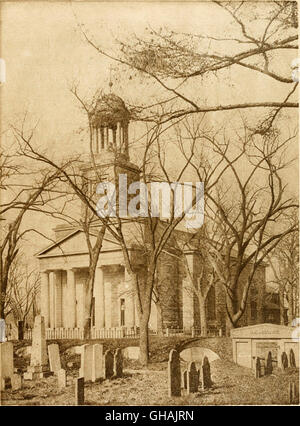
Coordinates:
232 384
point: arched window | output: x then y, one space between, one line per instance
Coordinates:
211 304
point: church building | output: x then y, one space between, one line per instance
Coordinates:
64 264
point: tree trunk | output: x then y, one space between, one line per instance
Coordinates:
2 307
230 306
144 341
229 326
203 319
88 306
290 305
281 305
87 328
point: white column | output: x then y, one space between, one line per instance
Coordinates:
108 304
71 302
45 297
57 299
51 300
130 301
99 298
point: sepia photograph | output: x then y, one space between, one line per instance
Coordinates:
149 206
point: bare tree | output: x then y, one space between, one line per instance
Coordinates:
174 60
241 209
22 290
23 190
284 262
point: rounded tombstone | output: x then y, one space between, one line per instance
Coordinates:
292 359
284 360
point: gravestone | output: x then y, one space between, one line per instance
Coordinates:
284 361
293 393
258 372
118 363
54 357
38 359
174 378
16 382
20 330
86 362
269 365
2 330
79 391
6 363
184 379
61 378
292 359
192 378
108 364
205 374
97 364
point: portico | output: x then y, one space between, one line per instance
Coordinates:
63 288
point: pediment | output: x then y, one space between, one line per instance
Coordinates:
75 243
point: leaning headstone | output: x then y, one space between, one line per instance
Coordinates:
6 363
61 378
205 374
108 364
54 357
293 393
16 382
97 363
79 391
20 330
174 378
86 362
38 360
118 363
269 365
284 360
292 359
258 372
192 378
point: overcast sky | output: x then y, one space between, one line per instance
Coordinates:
45 53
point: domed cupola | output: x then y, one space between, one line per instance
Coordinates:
109 119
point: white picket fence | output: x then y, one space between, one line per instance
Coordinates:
78 333
118 333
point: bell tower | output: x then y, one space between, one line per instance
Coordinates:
109 145
109 121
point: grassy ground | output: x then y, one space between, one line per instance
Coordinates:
232 384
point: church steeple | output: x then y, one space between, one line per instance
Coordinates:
109 121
